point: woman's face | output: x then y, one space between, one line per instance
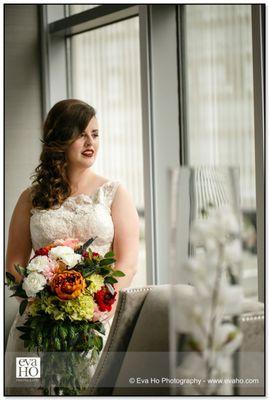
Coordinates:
83 151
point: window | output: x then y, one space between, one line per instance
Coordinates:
105 72
208 114
218 69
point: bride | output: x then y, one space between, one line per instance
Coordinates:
68 200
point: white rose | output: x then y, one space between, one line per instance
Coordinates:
33 283
66 254
38 264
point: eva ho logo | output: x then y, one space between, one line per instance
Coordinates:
27 367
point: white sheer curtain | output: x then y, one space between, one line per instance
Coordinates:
219 85
219 105
105 67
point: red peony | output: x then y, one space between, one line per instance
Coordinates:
104 299
43 251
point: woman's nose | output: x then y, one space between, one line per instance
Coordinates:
88 139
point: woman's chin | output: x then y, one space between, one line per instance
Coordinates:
89 162
83 163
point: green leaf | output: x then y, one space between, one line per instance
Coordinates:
63 332
100 328
20 293
23 329
110 279
98 342
107 261
13 288
34 323
103 271
57 343
110 254
20 270
94 355
10 278
91 341
23 306
25 336
87 273
39 338
117 272
55 331
89 263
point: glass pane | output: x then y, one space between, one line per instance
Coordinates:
105 69
77 8
219 104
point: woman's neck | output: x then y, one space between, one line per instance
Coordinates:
80 178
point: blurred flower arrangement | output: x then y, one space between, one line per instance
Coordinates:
210 339
66 291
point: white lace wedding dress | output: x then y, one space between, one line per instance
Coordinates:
80 217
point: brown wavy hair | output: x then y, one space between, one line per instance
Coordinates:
63 125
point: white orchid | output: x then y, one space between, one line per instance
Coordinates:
217 251
219 224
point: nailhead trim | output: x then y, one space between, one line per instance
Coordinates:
252 318
134 290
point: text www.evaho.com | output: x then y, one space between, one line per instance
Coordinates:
234 381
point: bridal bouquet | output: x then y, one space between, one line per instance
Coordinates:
66 292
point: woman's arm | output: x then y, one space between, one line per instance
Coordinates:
126 238
19 238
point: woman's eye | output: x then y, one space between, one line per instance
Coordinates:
95 135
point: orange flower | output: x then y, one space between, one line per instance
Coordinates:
68 285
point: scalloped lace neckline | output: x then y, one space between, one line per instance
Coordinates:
72 199
90 196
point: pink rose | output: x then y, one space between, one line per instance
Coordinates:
73 243
50 270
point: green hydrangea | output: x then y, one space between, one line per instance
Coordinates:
34 308
96 283
80 308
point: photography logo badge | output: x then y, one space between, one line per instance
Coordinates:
27 367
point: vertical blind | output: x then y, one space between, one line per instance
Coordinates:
219 90
105 72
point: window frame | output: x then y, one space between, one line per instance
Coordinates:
161 30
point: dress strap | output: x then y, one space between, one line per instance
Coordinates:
109 191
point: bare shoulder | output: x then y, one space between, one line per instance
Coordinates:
123 199
26 195
125 216
25 199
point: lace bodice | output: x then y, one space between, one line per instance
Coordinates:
81 217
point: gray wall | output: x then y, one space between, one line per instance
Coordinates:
22 111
